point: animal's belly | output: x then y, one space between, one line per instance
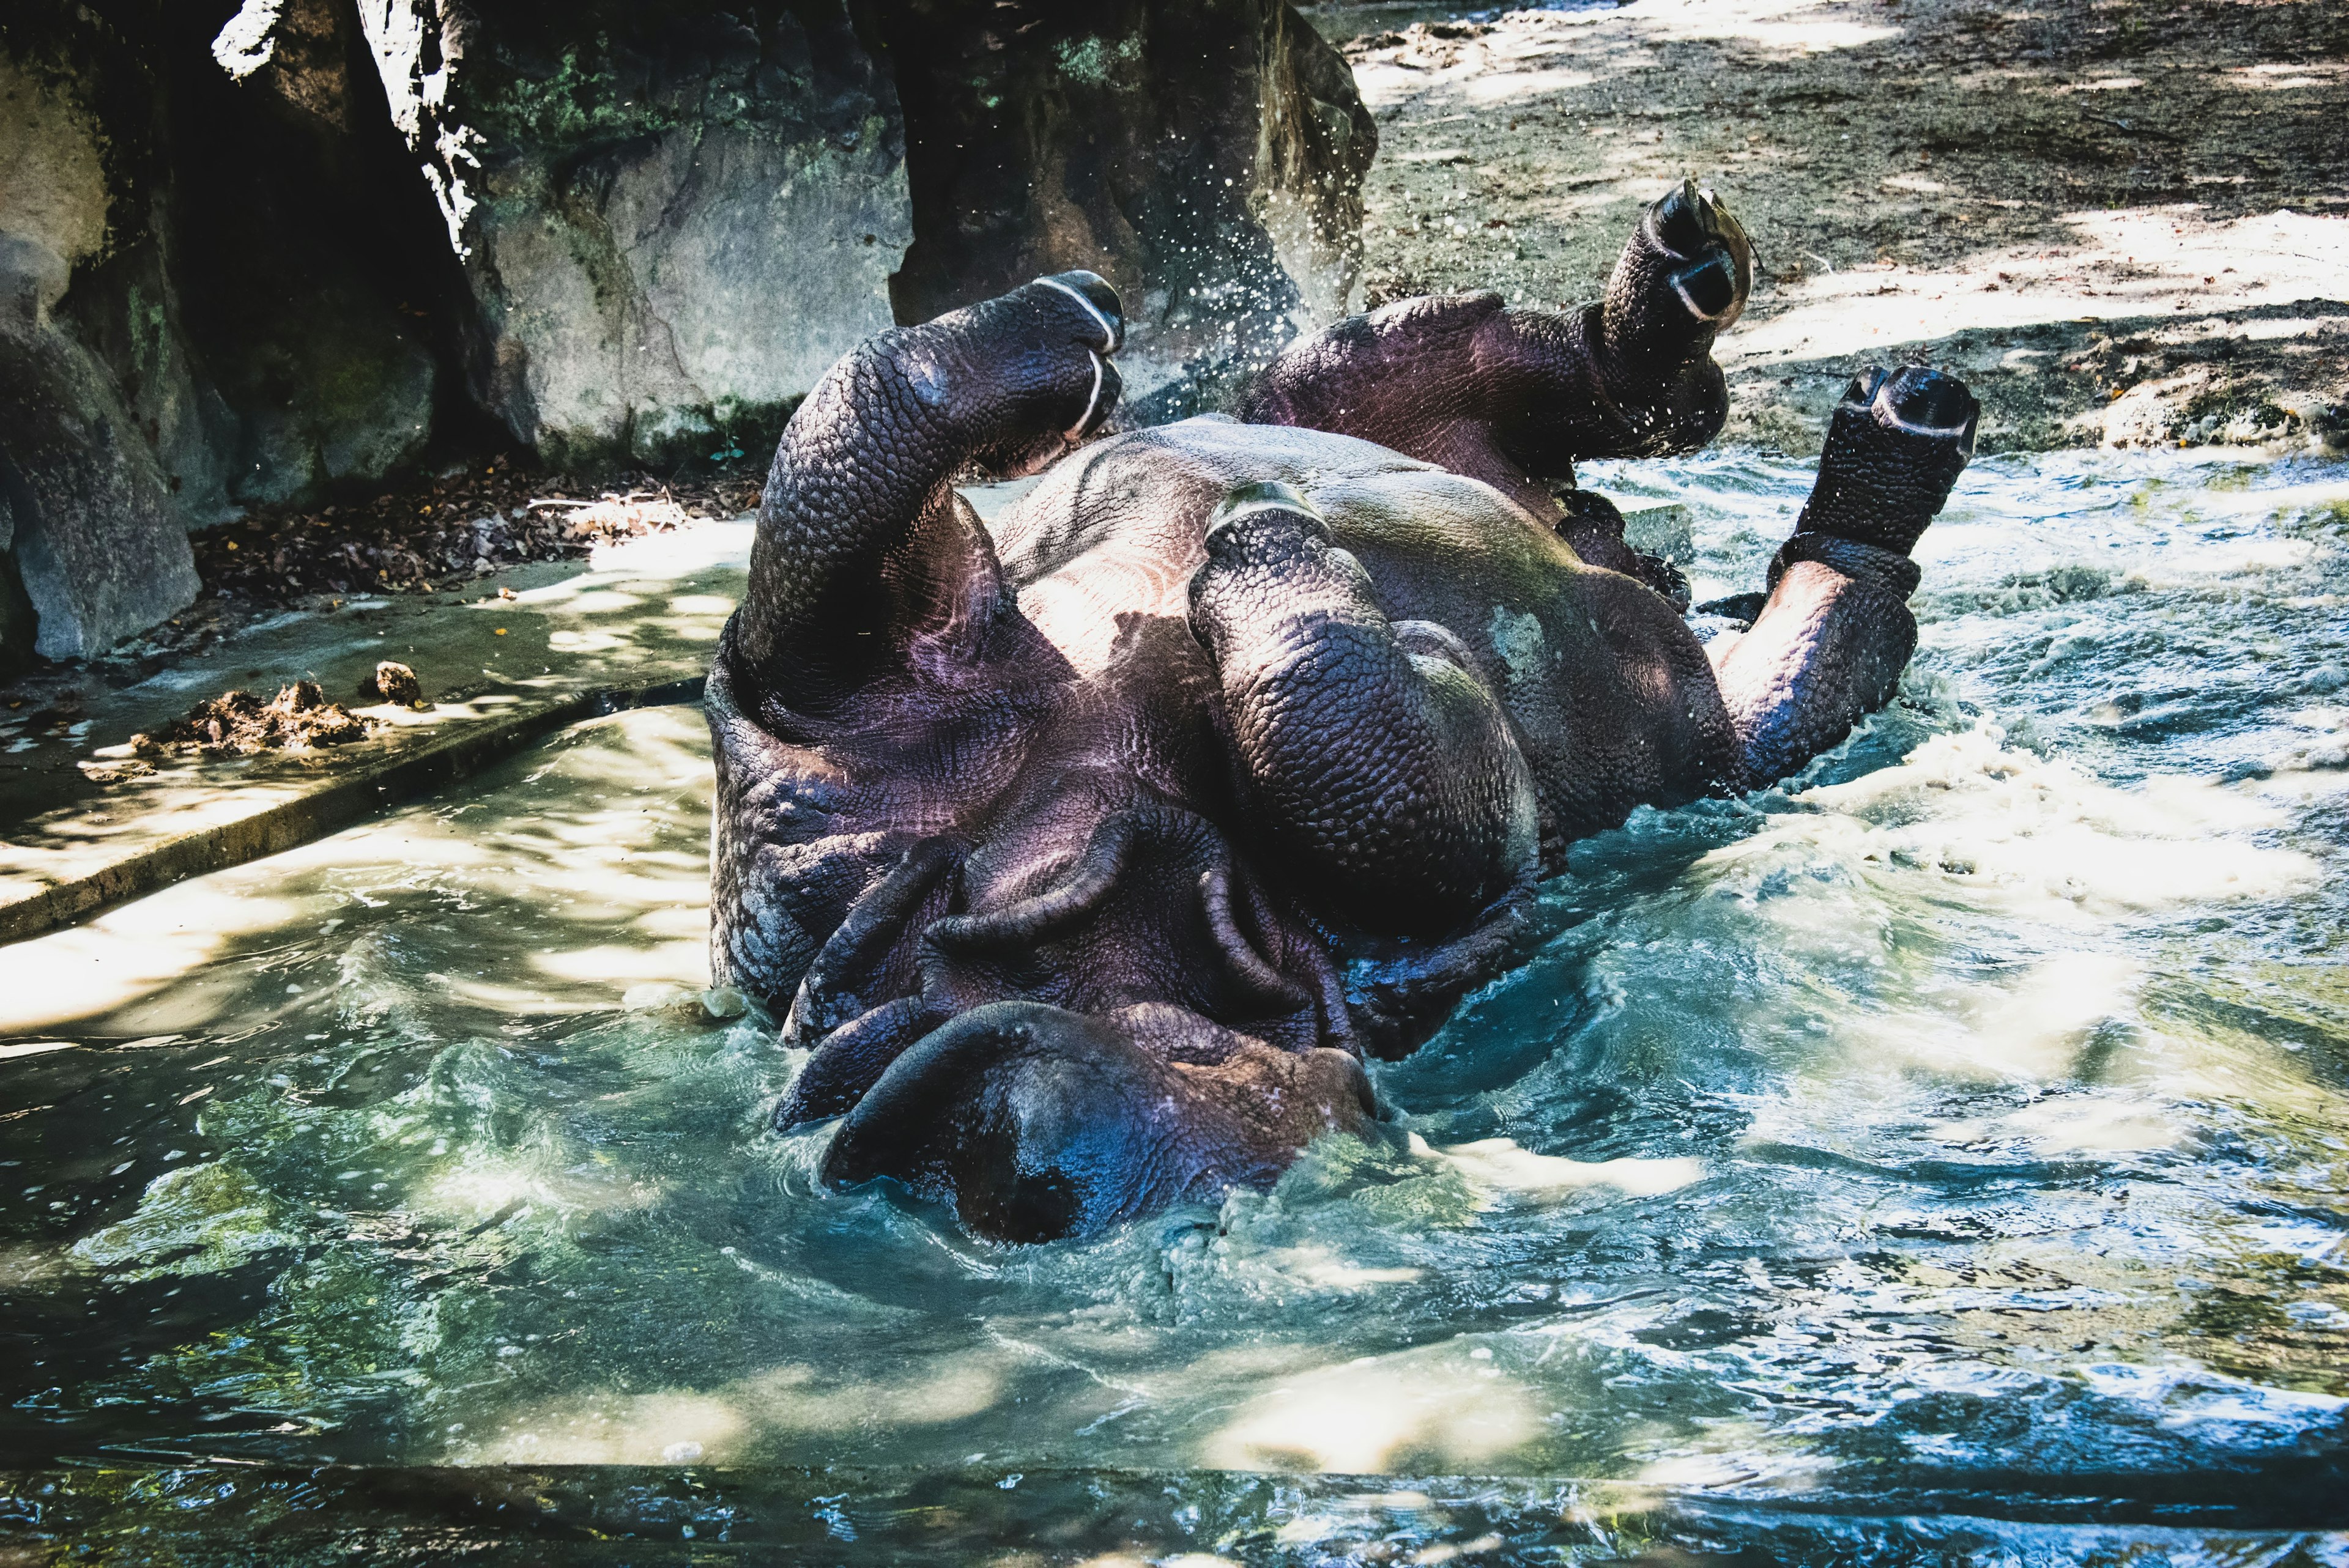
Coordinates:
1091 605
1610 694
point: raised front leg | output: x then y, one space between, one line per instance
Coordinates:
863 560
1377 764
875 685
1515 397
1835 633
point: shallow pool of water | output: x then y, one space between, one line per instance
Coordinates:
1962 1121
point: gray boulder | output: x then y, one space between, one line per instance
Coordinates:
671 218
96 540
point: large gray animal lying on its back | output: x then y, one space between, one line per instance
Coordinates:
1089 857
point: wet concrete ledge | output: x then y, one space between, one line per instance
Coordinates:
521 654
336 802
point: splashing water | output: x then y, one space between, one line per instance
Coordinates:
1963 1119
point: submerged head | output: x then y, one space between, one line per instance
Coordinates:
1109 1032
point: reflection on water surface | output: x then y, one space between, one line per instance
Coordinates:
1963 1121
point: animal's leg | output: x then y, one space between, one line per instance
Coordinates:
1377 763
862 550
875 610
1515 396
1835 633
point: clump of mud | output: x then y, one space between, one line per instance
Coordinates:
394 683
239 724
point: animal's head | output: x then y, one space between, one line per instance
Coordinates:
1090 1016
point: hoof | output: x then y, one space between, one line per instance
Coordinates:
1684 278
1270 552
1025 376
1690 225
1896 444
1090 294
1921 402
1091 290
1590 509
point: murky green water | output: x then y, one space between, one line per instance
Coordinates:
1962 1131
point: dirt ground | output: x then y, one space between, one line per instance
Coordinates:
2123 222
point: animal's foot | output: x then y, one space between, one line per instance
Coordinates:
1027 373
1683 279
1895 443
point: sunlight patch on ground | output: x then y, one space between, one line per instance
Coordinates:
2142 261
1780 26
1318 1266
629 965
141 951
2284 77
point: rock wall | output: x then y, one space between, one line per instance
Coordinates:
255 251
94 545
306 256
220 273
1206 156
671 218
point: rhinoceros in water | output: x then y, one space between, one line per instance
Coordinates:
1089 854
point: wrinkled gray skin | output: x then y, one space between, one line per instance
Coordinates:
1088 858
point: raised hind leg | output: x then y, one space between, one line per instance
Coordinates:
1516 397
1377 766
1834 632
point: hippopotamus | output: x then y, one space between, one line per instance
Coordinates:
1089 854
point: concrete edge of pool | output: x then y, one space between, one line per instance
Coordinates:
337 801
86 826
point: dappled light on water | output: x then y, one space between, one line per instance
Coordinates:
1962 1118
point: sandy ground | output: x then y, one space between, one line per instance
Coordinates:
2123 222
